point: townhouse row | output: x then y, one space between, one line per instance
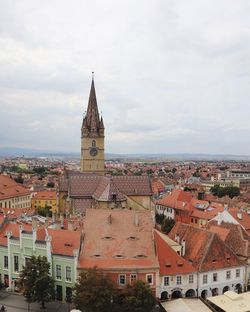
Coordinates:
190 262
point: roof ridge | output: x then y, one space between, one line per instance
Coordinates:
213 235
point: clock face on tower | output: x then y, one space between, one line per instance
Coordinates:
93 151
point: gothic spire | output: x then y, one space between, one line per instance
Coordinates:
92 120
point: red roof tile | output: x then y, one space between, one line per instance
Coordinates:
205 249
170 262
118 239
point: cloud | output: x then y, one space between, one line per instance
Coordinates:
171 76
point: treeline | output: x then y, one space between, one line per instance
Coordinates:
220 191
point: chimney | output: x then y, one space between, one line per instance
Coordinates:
225 206
70 225
109 219
136 220
46 223
58 225
219 218
34 224
183 247
62 220
177 238
53 217
239 215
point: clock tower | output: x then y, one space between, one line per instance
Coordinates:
92 137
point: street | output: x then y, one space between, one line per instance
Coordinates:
15 303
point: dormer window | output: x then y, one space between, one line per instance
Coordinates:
141 256
133 238
119 256
107 238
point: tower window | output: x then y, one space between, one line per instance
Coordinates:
93 143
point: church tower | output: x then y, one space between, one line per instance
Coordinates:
92 137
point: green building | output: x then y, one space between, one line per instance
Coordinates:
18 242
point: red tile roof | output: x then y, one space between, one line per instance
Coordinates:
204 248
170 262
45 195
64 242
9 188
115 239
244 221
234 236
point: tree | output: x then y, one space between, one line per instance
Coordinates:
219 191
51 184
167 225
36 282
159 218
19 179
39 170
138 298
45 212
94 291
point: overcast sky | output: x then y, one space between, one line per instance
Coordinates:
171 76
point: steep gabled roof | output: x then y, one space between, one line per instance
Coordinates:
234 236
170 262
88 185
107 189
204 248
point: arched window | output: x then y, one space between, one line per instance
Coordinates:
93 143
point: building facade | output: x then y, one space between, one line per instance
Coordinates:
13 194
18 243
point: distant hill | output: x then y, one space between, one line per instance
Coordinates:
26 152
16 151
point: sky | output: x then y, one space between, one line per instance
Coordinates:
171 76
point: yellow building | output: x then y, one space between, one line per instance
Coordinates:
44 199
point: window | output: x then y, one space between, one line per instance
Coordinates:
166 280
6 262
133 278
237 272
205 279
58 272
178 280
26 261
215 277
122 279
16 264
149 279
228 274
68 274
191 279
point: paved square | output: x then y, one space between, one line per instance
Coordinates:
16 303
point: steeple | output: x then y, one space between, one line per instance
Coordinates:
92 140
92 122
